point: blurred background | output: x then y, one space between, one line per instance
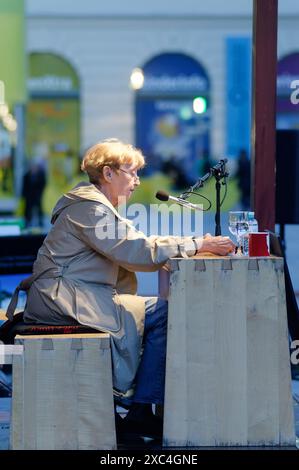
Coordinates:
173 78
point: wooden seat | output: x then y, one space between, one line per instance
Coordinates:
62 395
17 326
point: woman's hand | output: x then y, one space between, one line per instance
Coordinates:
217 245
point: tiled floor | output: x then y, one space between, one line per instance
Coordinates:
130 444
136 444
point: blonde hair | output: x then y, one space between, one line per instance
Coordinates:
110 152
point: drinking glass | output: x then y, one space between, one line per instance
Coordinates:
238 226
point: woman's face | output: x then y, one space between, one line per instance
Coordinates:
123 182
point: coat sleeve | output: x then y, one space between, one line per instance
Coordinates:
117 239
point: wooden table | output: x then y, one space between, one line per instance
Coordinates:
228 376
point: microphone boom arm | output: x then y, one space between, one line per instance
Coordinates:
219 172
199 184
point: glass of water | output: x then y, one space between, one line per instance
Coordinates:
238 226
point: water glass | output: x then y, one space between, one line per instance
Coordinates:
238 226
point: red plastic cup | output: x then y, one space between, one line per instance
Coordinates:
258 244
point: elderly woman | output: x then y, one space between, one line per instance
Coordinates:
85 273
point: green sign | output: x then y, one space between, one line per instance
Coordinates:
51 75
53 122
12 52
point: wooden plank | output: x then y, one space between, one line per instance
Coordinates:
263 353
286 412
30 395
93 409
190 323
230 354
177 374
199 361
17 411
64 372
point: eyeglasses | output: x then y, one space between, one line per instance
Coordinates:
133 173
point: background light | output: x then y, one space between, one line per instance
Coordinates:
199 105
186 113
137 79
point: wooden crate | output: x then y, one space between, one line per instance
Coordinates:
228 379
62 393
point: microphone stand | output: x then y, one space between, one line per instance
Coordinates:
219 172
217 214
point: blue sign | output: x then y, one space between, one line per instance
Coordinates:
172 133
174 74
238 95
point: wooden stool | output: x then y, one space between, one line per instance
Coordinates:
62 393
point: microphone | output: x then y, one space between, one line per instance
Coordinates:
164 196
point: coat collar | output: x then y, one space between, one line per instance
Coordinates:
83 191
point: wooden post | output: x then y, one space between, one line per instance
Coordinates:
263 135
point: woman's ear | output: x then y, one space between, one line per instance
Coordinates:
107 173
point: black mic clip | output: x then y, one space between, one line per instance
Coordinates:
218 171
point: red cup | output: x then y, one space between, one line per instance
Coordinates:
258 244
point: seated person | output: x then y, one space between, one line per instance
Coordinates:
85 273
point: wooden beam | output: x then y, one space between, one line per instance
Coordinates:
263 135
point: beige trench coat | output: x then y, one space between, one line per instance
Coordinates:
87 277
